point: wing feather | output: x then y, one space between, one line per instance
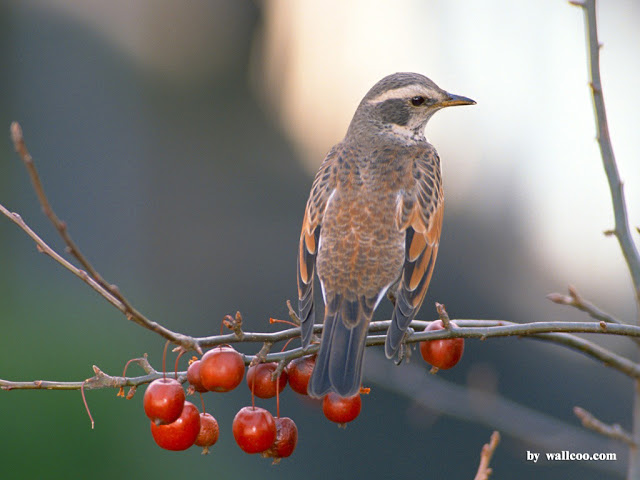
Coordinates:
419 214
323 186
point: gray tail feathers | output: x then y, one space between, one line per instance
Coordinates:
339 364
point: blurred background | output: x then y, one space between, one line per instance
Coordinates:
179 142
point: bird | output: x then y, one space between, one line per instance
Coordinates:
372 226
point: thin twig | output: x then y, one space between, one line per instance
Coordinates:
574 299
444 316
100 380
484 471
614 431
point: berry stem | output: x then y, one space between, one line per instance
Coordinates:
278 396
202 401
253 397
286 322
178 358
164 360
86 405
286 345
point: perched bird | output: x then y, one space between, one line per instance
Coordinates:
371 225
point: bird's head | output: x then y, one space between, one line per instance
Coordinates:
401 105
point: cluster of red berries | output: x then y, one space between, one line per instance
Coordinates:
176 424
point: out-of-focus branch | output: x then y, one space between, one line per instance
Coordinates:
536 430
614 431
484 471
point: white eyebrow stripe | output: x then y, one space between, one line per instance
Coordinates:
402 92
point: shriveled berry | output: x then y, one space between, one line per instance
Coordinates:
286 439
299 372
209 432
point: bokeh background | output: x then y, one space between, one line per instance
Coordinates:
179 141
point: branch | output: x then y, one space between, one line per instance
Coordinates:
485 457
99 381
614 431
92 278
574 299
621 230
483 329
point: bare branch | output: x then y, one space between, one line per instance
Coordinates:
621 230
47 250
547 331
99 381
574 299
89 275
484 471
614 431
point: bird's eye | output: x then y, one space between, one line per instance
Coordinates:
417 101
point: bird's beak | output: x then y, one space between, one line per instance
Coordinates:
453 100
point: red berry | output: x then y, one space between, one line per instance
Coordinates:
341 410
163 400
209 432
180 434
259 380
286 439
221 369
299 371
193 377
254 429
443 353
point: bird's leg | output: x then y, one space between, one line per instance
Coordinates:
405 350
392 297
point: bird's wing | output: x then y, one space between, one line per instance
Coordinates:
419 214
323 186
